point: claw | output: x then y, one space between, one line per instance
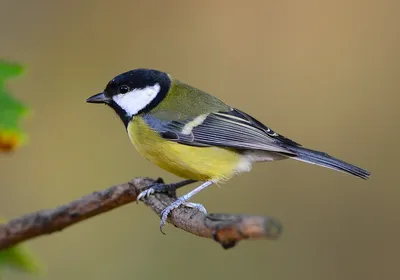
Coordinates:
197 206
159 186
145 194
167 210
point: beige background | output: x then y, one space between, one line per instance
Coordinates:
324 73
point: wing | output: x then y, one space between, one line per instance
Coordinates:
232 129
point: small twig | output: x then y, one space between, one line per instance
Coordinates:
226 229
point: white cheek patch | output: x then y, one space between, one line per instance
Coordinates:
135 100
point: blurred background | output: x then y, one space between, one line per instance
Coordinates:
323 73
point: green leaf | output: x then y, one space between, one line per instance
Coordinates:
11 110
20 258
9 70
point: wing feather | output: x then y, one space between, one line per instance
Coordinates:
232 129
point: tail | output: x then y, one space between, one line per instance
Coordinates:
325 160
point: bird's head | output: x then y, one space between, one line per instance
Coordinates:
134 92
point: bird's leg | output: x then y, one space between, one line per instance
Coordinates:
184 200
161 187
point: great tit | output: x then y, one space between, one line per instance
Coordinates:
196 136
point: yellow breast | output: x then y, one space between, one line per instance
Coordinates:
197 163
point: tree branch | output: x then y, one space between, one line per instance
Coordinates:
226 229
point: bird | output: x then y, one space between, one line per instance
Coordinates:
196 136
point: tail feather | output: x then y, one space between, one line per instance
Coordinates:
325 160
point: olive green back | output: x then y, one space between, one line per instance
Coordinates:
186 102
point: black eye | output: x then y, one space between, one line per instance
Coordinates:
123 89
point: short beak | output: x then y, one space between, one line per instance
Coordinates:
98 98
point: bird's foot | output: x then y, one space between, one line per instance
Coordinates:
162 188
197 206
157 187
180 201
